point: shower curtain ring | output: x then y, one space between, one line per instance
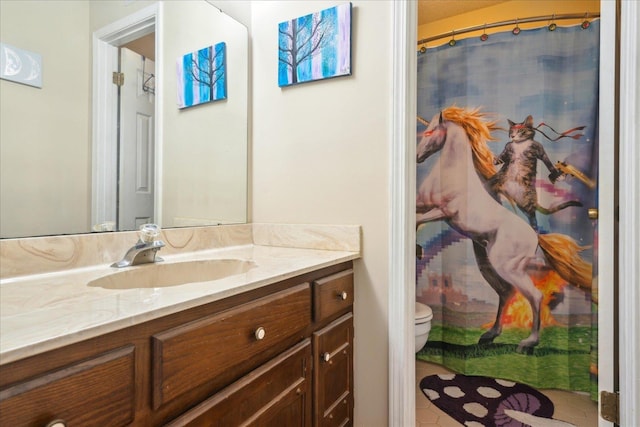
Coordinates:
553 26
452 42
423 49
585 24
516 30
484 35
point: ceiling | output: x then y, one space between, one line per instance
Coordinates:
145 46
434 10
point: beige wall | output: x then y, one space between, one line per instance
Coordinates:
104 12
321 155
45 141
240 10
504 12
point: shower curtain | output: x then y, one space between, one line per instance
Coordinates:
546 81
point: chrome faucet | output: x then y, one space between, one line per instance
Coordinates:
145 250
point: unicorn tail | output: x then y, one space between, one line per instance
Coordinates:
556 208
563 253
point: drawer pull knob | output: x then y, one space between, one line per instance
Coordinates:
57 423
326 356
260 333
343 295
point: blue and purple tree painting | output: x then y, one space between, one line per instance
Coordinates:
315 46
202 76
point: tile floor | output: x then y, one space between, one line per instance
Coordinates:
574 408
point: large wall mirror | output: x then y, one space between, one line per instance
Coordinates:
80 154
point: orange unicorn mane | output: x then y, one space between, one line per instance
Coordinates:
478 130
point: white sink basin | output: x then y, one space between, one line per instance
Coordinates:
160 275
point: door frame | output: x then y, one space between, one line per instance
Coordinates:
104 161
402 231
629 221
402 239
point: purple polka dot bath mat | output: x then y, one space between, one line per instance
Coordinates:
476 401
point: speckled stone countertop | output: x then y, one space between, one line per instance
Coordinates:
46 300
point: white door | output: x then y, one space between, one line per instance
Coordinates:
136 149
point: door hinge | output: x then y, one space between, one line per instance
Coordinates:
610 406
118 78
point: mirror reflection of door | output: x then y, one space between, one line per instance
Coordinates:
136 141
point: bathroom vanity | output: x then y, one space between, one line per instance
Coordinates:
270 346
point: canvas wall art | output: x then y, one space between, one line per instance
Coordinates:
20 66
315 46
202 76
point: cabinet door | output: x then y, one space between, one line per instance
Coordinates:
94 392
333 373
278 394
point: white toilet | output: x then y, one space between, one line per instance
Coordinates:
423 324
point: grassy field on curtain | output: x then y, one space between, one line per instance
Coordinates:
561 360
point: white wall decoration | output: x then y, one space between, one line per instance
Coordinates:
20 66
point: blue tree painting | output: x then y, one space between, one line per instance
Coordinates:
202 76
315 46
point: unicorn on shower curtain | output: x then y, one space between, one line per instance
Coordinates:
504 245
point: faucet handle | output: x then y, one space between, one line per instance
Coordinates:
149 232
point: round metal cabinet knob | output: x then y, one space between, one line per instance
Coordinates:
343 295
260 333
326 356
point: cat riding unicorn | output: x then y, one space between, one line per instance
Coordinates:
515 181
504 244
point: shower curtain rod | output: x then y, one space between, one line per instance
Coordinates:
516 21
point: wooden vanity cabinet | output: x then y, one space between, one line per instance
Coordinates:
278 393
257 358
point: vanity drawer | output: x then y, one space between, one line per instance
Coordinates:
95 392
276 394
220 348
332 294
